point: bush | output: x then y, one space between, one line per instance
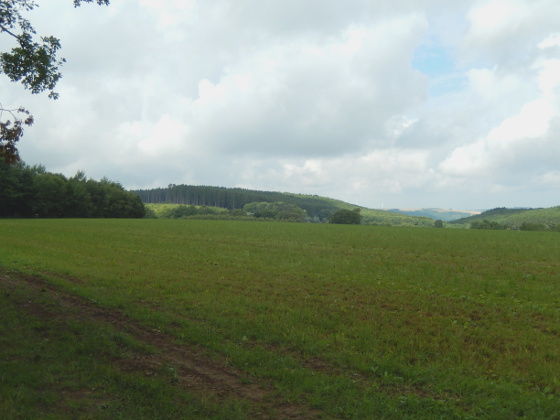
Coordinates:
536 227
346 217
486 224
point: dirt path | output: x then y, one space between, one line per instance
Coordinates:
195 371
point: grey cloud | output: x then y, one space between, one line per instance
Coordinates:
317 97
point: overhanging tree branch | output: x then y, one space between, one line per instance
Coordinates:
3 29
31 63
11 131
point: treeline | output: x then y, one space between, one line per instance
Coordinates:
257 210
389 218
316 207
31 191
276 211
530 226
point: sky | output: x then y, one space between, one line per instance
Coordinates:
380 103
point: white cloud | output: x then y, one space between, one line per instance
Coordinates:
510 143
549 78
493 19
551 41
491 86
550 179
506 31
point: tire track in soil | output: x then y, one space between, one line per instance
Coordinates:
195 371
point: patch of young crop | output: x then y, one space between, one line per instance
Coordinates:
354 321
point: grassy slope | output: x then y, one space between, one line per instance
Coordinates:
354 321
499 215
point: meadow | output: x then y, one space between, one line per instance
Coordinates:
303 321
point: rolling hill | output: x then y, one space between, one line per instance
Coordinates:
318 209
530 219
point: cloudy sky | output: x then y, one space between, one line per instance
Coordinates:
382 103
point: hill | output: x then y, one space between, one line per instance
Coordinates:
499 215
550 218
438 214
318 209
526 219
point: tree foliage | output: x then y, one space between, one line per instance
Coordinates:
33 192
32 61
11 131
182 211
536 227
486 224
347 217
277 211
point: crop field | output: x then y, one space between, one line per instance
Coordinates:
230 320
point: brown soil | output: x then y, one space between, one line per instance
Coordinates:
194 370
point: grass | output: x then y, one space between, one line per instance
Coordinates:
56 364
350 321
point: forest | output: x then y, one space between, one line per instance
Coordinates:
31 191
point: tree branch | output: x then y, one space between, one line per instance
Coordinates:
4 29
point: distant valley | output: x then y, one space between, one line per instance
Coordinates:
447 215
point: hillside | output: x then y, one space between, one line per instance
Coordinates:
529 219
236 198
549 217
438 214
499 215
318 209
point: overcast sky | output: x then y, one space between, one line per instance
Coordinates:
382 103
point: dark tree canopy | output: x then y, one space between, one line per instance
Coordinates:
32 61
347 217
31 191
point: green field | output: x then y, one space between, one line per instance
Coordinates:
224 319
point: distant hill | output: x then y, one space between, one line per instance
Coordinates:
499 214
318 209
236 198
548 218
438 214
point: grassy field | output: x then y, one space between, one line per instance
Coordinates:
217 319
